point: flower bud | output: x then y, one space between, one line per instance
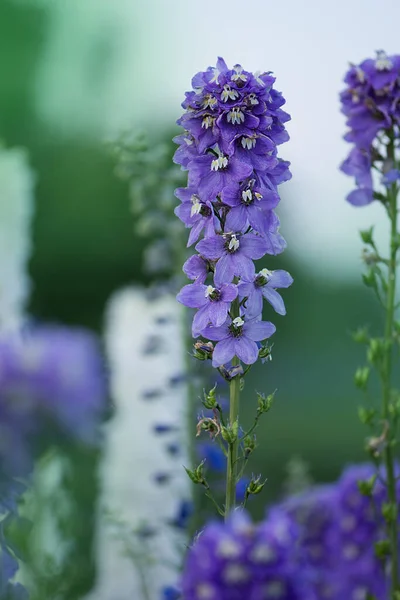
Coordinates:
375 351
366 487
389 512
203 350
361 377
366 236
255 486
264 403
361 335
382 549
366 415
250 445
197 475
369 278
210 400
230 432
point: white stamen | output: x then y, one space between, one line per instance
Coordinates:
228 548
207 122
233 243
209 101
196 208
274 589
258 195
383 63
238 74
253 99
263 553
360 74
235 116
228 93
265 273
238 322
216 74
204 591
219 163
235 574
188 141
257 78
209 290
247 196
248 142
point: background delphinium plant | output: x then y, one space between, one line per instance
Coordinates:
233 122
371 103
146 494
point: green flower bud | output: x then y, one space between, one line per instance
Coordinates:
361 335
366 236
366 487
369 278
230 432
382 549
375 351
255 486
361 377
203 350
197 475
250 445
264 403
366 415
210 400
389 512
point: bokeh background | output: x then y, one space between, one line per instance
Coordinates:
77 73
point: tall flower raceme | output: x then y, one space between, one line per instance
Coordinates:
233 123
16 208
145 489
371 103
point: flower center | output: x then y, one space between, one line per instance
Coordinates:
228 93
212 293
207 122
249 142
209 101
236 327
263 277
199 208
252 99
221 162
235 116
232 244
238 75
383 63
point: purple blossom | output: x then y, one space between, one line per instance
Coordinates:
235 254
213 303
237 560
264 285
390 177
233 123
238 338
371 104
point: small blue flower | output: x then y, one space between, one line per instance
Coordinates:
390 177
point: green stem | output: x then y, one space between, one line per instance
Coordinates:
231 470
386 380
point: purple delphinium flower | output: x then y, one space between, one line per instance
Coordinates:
237 560
264 285
213 303
238 338
370 103
233 125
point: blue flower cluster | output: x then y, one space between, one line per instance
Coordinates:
371 103
316 545
52 387
233 124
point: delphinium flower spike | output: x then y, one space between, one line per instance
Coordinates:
371 103
233 123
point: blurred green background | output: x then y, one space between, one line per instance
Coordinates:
85 248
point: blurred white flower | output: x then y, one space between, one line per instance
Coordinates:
144 481
16 209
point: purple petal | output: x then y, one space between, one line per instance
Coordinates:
236 219
246 350
196 268
218 312
274 299
360 197
259 330
228 292
200 321
224 351
216 334
254 304
195 232
253 246
224 270
280 279
212 247
193 295
243 266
